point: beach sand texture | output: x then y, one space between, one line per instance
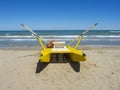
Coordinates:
101 71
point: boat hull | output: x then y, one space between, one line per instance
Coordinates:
72 53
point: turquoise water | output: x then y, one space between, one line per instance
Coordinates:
24 39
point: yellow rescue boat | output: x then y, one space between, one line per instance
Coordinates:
55 47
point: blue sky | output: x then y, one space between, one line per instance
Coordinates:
59 14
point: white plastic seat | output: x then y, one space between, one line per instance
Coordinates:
59 46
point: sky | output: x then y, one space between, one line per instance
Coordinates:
59 14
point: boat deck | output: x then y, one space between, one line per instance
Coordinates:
61 50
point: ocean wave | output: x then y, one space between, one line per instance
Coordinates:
69 36
17 39
16 36
34 39
61 36
103 36
114 31
84 39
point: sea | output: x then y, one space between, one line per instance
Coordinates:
24 39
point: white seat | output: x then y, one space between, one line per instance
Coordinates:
59 46
60 49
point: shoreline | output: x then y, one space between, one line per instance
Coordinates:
82 47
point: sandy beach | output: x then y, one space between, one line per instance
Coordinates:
101 71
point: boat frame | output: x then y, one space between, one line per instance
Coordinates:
73 53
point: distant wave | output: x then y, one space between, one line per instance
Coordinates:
115 31
18 38
61 36
34 39
104 36
94 37
65 39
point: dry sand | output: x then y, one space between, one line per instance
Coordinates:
101 71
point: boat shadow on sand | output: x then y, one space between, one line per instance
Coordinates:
58 59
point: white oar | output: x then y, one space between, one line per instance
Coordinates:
86 31
26 27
